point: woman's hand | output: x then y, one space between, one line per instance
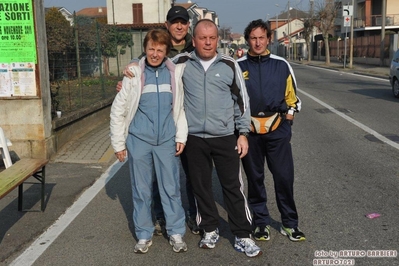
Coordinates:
179 148
121 155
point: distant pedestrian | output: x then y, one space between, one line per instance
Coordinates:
148 123
271 86
240 52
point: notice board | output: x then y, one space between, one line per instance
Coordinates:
18 56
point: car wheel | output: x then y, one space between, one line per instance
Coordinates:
395 88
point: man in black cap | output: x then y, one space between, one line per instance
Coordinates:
178 23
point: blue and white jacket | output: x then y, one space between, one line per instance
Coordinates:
125 107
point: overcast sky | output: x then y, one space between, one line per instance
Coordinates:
232 13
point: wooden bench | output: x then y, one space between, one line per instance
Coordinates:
15 176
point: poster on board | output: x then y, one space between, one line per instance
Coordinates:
17 49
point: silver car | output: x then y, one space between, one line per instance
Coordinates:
394 74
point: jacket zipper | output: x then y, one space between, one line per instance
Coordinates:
159 112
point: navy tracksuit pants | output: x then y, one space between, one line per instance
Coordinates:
275 148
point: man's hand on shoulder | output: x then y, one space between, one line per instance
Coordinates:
126 73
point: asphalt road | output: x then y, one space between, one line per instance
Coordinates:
346 150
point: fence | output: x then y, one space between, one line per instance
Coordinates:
366 46
88 70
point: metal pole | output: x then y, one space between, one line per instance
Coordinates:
351 43
384 12
289 37
78 58
100 59
346 37
311 35
277 42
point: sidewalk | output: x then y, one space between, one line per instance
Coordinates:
75 168
69 173
361 69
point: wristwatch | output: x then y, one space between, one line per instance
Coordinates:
245 134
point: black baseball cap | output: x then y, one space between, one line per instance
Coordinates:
177 12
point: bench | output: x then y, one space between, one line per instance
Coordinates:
16 174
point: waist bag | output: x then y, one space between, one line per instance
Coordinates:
266 123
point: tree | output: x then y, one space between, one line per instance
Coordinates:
307 33
97 34
59 39
111 39
224 34
326 13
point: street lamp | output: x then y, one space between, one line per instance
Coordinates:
277 43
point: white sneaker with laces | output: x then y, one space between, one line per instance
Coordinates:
248 246
176 241
209 239
142 246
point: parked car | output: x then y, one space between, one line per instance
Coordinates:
394 74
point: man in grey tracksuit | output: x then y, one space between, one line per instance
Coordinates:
216 103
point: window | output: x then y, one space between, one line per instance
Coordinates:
137 13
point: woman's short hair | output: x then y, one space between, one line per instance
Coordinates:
158 36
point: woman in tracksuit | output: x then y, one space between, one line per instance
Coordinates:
148 123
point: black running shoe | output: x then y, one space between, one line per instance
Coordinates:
294 234
262 233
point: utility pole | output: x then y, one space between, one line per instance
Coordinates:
351 44
384 13
289 37
311 35
277 43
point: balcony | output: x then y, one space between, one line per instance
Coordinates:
390 20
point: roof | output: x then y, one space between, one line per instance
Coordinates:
138 26
59 8
236 36
93 12
291 14
185 5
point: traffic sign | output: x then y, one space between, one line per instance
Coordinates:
347 11
347 21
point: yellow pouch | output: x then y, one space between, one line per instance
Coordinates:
265 124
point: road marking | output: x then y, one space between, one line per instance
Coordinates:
34 251
353 121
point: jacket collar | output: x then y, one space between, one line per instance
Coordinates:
261 57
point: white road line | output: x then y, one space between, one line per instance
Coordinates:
34 251
353 121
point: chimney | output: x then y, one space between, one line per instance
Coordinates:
100 10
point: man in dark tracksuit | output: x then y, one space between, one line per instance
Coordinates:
271 87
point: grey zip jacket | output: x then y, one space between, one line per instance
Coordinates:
215 101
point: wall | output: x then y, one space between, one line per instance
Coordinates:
154 11
79 123
27 121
